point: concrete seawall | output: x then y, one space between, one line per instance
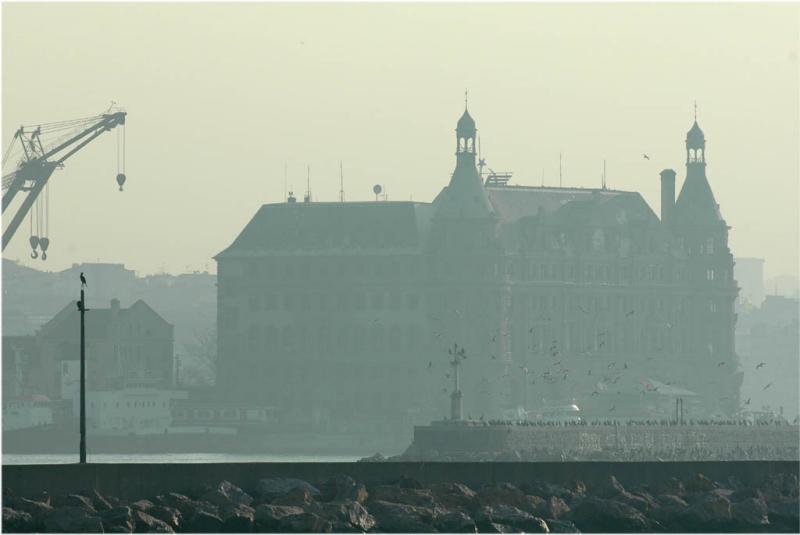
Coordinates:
133 481
454 438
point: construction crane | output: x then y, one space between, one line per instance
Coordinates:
37 157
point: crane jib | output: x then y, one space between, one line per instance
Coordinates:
38 165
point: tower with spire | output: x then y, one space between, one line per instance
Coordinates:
466 257
702 235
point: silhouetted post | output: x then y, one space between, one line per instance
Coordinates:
82 307
456 411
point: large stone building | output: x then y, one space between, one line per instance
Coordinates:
345 311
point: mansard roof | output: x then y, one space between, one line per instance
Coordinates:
307 228
317 226
568 204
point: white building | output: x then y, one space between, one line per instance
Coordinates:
129 411
23 413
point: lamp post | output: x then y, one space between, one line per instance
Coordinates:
458 355
82 308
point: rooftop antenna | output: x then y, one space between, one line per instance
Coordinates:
542 176
341 182
604 174
481 161
559 170
308 185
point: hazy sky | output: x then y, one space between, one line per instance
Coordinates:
221 96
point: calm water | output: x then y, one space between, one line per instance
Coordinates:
172 458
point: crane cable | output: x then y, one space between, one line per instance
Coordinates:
119 143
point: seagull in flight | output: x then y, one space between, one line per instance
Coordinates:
646 157
747 402
83 280
761 365
768 385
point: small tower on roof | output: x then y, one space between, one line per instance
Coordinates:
695 143
465 196
466 132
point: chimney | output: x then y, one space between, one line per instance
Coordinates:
667 195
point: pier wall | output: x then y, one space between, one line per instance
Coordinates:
133 481
587 438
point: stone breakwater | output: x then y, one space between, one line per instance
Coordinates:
342 504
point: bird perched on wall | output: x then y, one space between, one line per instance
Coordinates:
83 280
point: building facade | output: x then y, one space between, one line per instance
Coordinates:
125 348
346 311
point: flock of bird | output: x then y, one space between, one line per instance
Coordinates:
554 370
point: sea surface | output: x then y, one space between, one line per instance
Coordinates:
63 458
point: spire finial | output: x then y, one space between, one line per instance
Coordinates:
695 111
466 98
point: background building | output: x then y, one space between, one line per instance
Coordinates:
749 273
768 340
125 347
345 312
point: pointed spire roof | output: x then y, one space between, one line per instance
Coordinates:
696 204
466 125
695 139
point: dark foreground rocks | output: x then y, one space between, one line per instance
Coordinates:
344 505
